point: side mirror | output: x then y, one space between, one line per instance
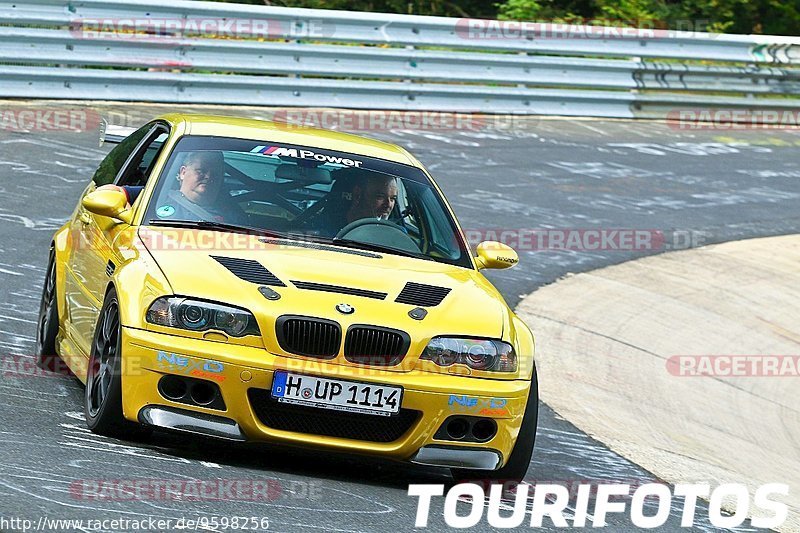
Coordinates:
492 254
108 203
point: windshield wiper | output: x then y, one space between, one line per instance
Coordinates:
379 248
212 225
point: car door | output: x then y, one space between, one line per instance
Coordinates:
93 258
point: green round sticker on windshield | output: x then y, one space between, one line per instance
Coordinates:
165 211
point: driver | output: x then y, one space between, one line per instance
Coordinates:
372 196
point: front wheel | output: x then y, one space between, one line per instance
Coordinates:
517 465
103 398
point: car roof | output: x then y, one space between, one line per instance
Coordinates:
268 131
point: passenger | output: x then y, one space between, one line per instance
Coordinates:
199 196
201 177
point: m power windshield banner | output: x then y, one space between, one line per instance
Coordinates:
296 153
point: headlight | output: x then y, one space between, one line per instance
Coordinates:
478 354
194 315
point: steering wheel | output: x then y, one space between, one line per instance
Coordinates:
378 231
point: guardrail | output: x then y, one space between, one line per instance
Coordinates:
144 50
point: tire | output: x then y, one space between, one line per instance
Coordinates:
517 465
47 324
103 396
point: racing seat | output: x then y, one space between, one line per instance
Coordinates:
337 200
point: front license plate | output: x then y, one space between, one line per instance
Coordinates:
336 394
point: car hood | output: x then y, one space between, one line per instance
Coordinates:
312 279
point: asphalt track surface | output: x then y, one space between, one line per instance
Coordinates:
698 187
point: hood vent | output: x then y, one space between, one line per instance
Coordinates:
422 295
308 285
249 270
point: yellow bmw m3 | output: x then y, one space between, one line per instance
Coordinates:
253 281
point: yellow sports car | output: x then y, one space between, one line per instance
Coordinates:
255 281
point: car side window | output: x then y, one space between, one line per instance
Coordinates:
140 164
110 166
409 220
442 238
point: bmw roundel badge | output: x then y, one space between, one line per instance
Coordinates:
345 309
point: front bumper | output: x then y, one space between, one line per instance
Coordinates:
460 457
191 422
244 373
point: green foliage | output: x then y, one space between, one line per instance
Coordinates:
637 13
777 17
577 11
442 8
520 10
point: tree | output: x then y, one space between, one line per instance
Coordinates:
777 17
442 8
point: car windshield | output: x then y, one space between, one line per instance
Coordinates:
301 192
